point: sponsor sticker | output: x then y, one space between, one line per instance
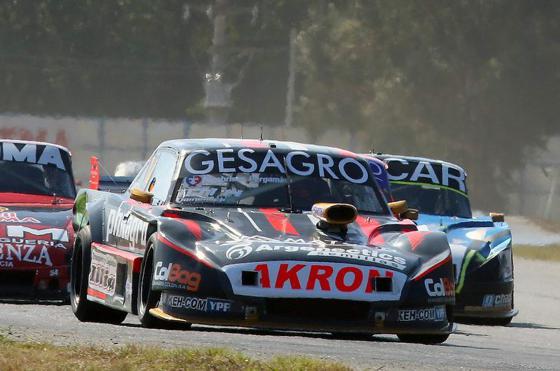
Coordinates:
423 314
439 288
175 276
254 245
496 300
207 305
19 246
32 153
103 273
247 160
133 229
12 217
316 280
426 172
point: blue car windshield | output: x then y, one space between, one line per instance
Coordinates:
433 199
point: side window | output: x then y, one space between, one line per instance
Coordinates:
141 180
162 176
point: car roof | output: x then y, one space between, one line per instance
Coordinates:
18 141
384 156
256 144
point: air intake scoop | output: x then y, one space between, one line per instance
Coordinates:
335 214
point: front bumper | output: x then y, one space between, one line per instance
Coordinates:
316 315
49 283
491 300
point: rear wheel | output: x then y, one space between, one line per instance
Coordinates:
423 339
147 298
85 310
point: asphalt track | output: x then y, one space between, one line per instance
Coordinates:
532 341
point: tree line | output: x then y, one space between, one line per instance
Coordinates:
475 82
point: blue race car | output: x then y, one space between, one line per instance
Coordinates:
481 246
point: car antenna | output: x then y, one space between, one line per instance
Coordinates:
289 184
106 172
241 130
261 132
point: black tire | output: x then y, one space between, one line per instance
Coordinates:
85 310
148 299
423 339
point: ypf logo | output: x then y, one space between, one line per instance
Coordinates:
238 252
442 287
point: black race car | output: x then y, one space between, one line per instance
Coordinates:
265 234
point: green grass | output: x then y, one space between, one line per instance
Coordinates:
548 252
16 355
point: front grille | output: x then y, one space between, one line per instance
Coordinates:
17 278
318 309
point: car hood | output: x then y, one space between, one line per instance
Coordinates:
243 235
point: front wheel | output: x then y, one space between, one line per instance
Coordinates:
423 339
85 310
147 298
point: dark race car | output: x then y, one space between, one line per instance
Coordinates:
266 234
481 246
36 236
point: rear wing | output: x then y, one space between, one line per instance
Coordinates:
106 183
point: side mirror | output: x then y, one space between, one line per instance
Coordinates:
141 196
411 214
400 210
498 217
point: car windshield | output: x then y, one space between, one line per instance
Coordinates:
433 199
23 177
250 178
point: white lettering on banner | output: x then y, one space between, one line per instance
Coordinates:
297 279
25 241
324 164
57 234
258 244
418 172
28 153
103 273
425 170
29 253
134 230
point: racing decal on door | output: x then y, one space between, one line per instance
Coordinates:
103 273
297 279
126 226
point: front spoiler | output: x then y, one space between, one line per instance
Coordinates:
377 327
470 303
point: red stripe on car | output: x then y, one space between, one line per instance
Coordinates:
279 221
97 294
416 238
184 251
193 227
369 228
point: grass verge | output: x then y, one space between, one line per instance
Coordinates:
547 252
16 355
